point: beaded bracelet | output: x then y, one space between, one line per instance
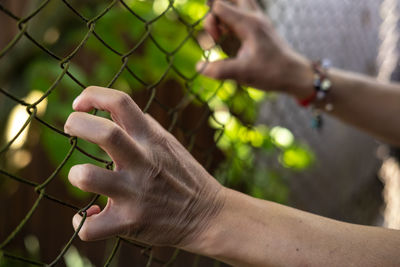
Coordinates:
322 86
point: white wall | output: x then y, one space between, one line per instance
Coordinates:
342 184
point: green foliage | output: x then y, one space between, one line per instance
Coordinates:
233 108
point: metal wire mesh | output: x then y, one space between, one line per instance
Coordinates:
287 21
65 66
348 34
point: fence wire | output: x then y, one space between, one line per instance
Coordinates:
65 66
286 22
349 34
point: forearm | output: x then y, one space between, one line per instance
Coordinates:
253 232
364 102
265 61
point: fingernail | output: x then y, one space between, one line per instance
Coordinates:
75 101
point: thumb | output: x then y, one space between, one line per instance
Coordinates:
220 70
231 16
98 225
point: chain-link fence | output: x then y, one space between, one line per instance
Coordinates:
148 49
348 33
168 91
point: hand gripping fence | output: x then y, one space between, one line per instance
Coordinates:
65 66
356 52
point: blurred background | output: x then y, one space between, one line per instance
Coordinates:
259 143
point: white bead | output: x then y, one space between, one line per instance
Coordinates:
329 107
326 85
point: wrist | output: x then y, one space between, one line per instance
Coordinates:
203 244
299 78
232 235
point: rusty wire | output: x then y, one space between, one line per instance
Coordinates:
64 64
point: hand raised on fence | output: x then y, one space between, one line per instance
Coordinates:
264 59
158 193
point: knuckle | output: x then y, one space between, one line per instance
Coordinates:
73 117
154 124
260 26
254 23
156 132
256 20
90 89
218 8
123 99
112 135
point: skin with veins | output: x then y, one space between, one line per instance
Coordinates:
158 193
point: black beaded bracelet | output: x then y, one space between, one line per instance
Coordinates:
322 86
